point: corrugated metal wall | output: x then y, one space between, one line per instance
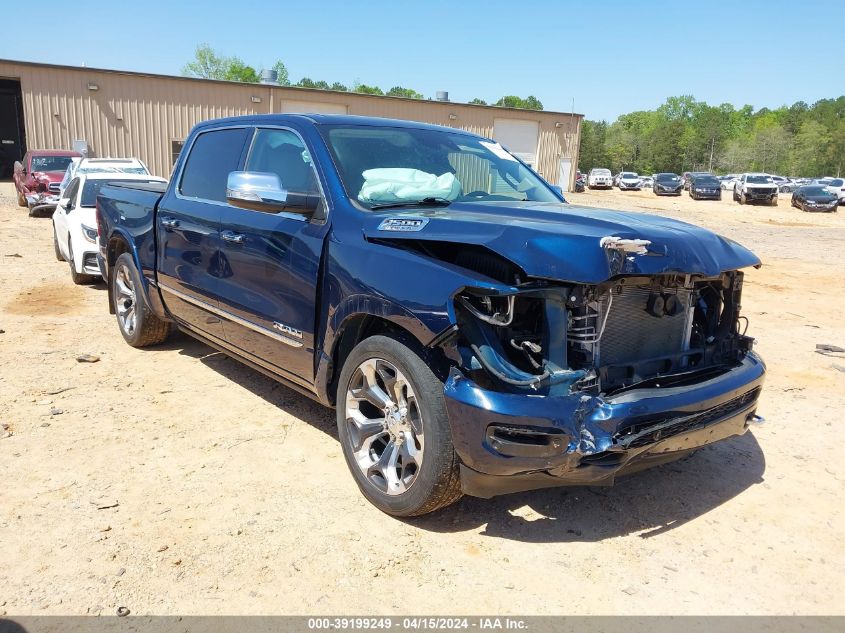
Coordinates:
131 114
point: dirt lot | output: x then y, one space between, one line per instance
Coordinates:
175 480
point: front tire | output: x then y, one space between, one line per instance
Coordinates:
138 325
56 248
21 199
78 278
742 198
392 424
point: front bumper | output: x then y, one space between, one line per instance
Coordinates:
757 196
668 191
510 442
709 195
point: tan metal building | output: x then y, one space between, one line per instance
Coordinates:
116 113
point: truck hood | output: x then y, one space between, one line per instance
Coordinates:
563 242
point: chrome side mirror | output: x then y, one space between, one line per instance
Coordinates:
263 191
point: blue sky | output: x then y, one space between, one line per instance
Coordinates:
610 57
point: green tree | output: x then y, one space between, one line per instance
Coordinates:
306 82
512 101
206 64
236 70
339 86
367 90
409 93
478 101
282 76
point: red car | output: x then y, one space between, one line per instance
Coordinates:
38 176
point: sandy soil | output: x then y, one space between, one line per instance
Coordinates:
176 481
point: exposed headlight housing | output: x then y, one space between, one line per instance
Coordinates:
89 234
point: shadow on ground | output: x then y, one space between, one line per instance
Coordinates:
650 503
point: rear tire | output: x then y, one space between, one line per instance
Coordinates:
416 470
138 325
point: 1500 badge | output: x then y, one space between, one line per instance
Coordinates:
403 224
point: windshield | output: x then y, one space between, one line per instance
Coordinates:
667 177
759 180
706 180
50 163
629 174
92 189
836 182
600 172
113 169
815 191
384 165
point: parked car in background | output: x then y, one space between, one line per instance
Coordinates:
814 198
75 222
785 185
836 186
755 188
688 176
629 180
727 182
705 187
37 178
299 257
646 182
599 178
79 166
667 184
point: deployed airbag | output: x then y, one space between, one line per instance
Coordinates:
398 184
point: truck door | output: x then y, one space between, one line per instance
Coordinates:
188 229
272 262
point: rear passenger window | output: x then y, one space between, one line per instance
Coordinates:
213 156
282 152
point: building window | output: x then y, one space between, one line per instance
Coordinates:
175 150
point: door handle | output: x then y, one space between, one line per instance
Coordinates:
233 238
170 223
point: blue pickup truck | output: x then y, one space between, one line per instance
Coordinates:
475 333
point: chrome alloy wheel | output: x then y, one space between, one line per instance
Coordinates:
125 300
385 426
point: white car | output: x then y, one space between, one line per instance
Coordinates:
836 186
629 180
75 222
727 182
79 166
646 182
599 178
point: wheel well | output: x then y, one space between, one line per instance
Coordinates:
360 327
117 246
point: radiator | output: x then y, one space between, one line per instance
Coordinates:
631 333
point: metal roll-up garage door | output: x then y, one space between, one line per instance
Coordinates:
519 137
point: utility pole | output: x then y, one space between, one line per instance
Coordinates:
712 146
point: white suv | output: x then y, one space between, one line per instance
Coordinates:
599 178
836 186
79 166
75 222
756 188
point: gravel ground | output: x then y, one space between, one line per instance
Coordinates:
176 481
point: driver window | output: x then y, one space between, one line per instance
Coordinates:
282 152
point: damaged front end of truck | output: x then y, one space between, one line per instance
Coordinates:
559 383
